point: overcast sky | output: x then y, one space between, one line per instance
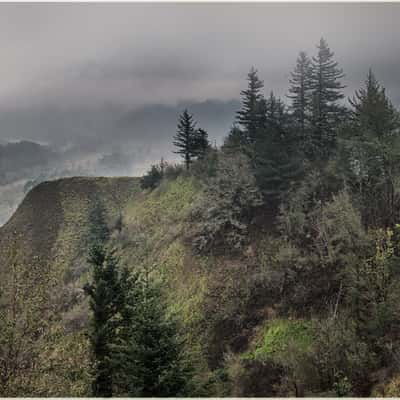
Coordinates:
130 55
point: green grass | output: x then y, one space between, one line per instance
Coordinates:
280 334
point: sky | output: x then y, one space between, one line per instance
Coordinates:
70 70
102 84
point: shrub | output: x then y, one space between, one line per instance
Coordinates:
223 215
153 176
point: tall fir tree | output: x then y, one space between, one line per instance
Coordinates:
371 141
252 114
300 92
184 139
201 143
235 141
275 154
106 302
326 110
154 364
373 113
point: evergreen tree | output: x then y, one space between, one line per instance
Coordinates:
373 112
98 229
235 141
106 302
326 93
300 94
153 177
200 143
252 114
184 139
372 146
275 154
276 114
153 365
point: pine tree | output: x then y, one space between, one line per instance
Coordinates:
372 112
300 92
106 302
252 114
276 155
326 93
98 229
200 143
372 142
276 115
184 138
152 365
235 141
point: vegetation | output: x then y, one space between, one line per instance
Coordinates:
267 267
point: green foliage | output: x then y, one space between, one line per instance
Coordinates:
300 93
326 112
153 176
191 143
106 302
370 149
223 215
154 364
98 229
280 334
183 140
252 114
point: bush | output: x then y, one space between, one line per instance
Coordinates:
173 171
223 215
153 176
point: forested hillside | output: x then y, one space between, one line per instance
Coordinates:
267 267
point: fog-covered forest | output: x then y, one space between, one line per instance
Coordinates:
264 265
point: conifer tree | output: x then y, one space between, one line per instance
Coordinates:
276 114
184 139
300 94
275 154
235 141
201 143
372 111
326 93
252 114
372 138
105 302
153 366
98 229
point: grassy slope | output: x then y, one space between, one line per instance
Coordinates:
206 293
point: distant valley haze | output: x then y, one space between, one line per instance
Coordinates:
99 87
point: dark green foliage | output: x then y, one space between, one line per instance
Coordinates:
172 171
275 155
106 302
191 143
235 141
300 93
326 110
98 229
201 144
154 365
252 114
135 346
184 138
206 167
370 149
153 176
222 217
